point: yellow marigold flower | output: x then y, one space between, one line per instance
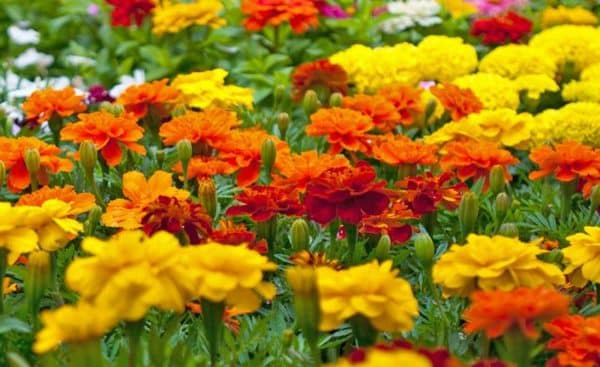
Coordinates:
207 89
579 45
583 257
15 236
73 324
579 121
230 274
492 90
385 358
444 59
386 300
149 270
512 61
536 84
372 68
493 263
582 91
458 8
564 15
53 223
592 72
171 17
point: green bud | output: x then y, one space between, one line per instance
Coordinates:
303 281
283 122
468 210
502 204
160 157
32 161
37 279
207 195
93 219
424 249
382 250
268 153
555 256
88 155
184 150
2 173
311 102
279 93
595 197
497 179
299 235
336 100
179 111
509 230
113 108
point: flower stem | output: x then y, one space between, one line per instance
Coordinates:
352 238
567 189
364 332
3 266
212 313
134 331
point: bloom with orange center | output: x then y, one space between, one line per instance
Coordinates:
300 14
426 193
207 128
577 340
202 167
79 203
12 154
108 132
496 312
406 99
344 128
157 95
381 111
475 159
295 170
457 101
230 233
139 193
397 150
392 223
319 75
177 216
42 105
567 161
262 203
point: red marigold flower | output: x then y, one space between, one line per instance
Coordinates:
577 339
262 203
230 233
397 150
567 161
495 312
348 193
507 28
457 101
177 216
344 128
157 95
424 194
319 75
295 170
406 99
126 11
381 111
42 105
391 222
301 14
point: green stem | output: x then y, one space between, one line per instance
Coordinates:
3 266
185 165
267 230
134 331
364 332
567 189
89 175
352 239
212 313
517 347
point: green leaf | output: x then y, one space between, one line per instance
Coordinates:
13 324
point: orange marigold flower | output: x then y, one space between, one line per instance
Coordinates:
262 203
296 170
567 161
577 339
458 101
382 112
42 105
202 167
108 132
301 14
406 99
397 150
157 95
228 315
230 233
139 193
78 202
207 128
495 312
426 193
12 154
314 259
475 159
391 223
344 128
319 75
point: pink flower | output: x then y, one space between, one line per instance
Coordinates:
495 7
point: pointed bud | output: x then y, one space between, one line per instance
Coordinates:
300 235
424 249
283 122
32 161
509 230
336 100
279 93
2 173
112 108
502 205
268 153
311 102
595 197
93 219
303 281
382 250
497 179
184 150
37 279
468 210
88 155
207 195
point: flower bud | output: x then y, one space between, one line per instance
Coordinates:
160 158
37 279
424 249
88 156
509 230
2 173
112 108
184 150
468 210
283 122
207 195
497 179
595 197
303 281
555 256
502 205
336 100
382 250
311 102
32 161
93 219
279 93
299 235
268 153
178 110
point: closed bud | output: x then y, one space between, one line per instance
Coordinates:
424 249
279 93
336 100
283 122
595 197
497 179
160 157
303 281
509 230
382 250
502 205
32 161
178 110
268 153
93 219
184 150
555 256
2 173
112 108
37 279
311 102
468 211
299 235
207 195
88 156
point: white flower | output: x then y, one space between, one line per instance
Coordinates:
31 56
77 60
12 112
23 36
126 81
411 13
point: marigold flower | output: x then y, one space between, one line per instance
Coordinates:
12 154
230 274
501 29
475 159
391 222
407 100
78 202
42 105
567 161
296 170
494 91
348 193
314 259
580 45
53 224
300 14
457 101
582 257
126 11
383 357
513 60
536 84
382 111
16 236
386 300
205 167
397 150
230 233
443 59
495 312
319 75
576 340
207 128
139 193
567 15
426 193
107 132
344 128
262 203
157 95
170 17
493 263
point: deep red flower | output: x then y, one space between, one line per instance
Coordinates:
126 11
262 203
424 194
502 29
348 193
391 222
317 75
